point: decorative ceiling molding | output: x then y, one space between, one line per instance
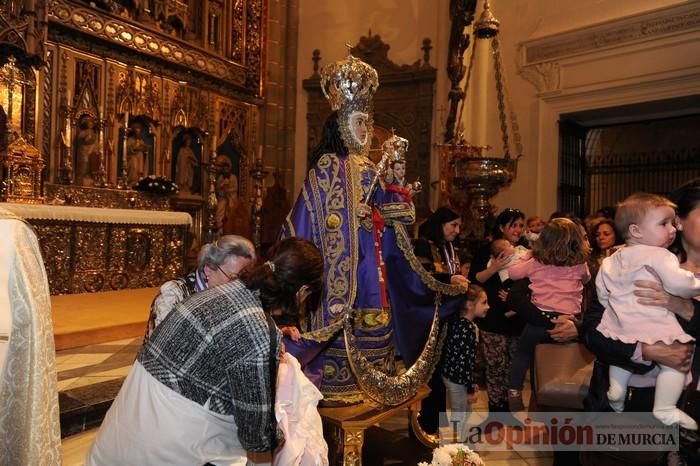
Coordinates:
624 31
550 63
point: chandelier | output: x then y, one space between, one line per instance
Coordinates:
472 171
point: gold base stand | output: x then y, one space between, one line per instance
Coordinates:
344 427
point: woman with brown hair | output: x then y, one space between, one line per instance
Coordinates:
203 386
557 273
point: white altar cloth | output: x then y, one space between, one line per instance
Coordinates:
97 215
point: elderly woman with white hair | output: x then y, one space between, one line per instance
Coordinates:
218 263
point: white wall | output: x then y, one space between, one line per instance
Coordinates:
524 20
403 24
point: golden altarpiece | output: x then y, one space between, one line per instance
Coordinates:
113 101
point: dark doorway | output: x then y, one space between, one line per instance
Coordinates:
607 154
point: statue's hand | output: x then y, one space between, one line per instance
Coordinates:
363 210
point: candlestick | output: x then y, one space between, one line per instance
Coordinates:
124 141
260 153
68 131
99 177
68 115
123 182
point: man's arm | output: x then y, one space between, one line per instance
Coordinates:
250 385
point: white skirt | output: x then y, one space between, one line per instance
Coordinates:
150 424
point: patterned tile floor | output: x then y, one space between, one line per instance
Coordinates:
89 379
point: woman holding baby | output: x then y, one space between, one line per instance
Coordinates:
641 358
500 329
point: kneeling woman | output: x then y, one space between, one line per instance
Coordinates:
202 387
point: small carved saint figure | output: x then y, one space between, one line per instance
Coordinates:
136 154
87 150
186 165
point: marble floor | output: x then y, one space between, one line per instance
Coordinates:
88 380
90 377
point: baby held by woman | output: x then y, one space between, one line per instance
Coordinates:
646 223
557 272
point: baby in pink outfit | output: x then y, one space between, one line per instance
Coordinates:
646 223
557 273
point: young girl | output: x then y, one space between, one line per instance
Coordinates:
557 271
459 360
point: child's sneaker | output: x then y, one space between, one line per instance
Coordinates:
515 400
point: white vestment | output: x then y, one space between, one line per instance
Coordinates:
297 414
29 415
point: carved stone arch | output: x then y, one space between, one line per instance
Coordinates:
86 103
404 101
12 37
178 108
179 118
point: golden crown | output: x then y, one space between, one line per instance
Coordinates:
395 147
347 81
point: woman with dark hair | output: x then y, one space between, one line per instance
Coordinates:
202 388
501 326
435 251
331 142
603 239
434 247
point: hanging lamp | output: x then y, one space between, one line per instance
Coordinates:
474 172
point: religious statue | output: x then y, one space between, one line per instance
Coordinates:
396 180
372 277
136 154
186 165
108 5
87 150
232 217
275 208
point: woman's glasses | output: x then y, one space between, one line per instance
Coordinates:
231 277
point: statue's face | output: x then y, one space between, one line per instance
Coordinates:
223 165
399 170
357 121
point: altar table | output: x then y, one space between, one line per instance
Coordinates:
88 249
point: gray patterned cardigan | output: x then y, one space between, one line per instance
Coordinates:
214 349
